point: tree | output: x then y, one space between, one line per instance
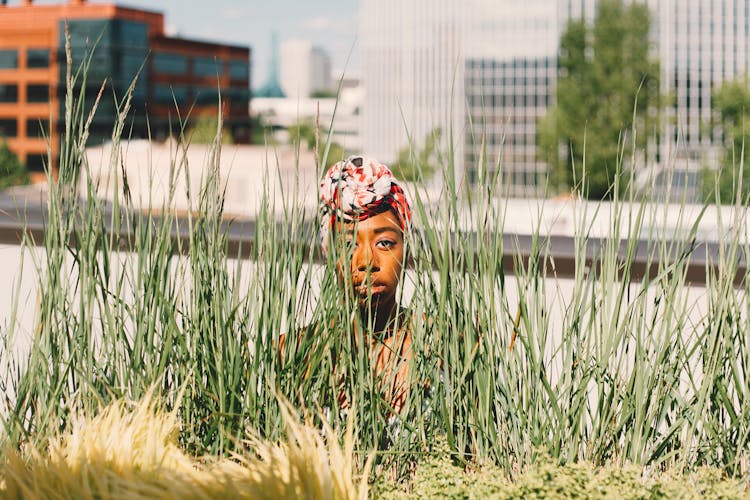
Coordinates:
303 132
204 130
608 86
12 171
418 165
731 104
323 94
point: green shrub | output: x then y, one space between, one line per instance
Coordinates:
12 171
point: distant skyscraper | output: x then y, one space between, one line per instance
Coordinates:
305 69
487 68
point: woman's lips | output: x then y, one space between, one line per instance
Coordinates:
375 289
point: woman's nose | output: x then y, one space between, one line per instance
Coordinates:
366 260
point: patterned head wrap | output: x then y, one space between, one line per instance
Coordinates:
358 188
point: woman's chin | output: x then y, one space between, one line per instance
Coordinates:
373 297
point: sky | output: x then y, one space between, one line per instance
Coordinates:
331 24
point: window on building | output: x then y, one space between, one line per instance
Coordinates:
238 70
206 95
171 64
8 59
237 95
206 66
37 127
8 92
37 93
8 128
36 163
37 58
168 95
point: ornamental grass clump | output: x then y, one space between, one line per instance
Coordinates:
131 450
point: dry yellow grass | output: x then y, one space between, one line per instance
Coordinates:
131 451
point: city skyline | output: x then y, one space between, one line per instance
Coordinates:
330 24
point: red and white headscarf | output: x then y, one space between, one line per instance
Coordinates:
358 188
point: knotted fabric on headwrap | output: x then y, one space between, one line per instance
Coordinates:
358 188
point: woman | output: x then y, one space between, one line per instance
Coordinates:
365 207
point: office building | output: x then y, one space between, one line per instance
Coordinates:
305 69
509 70
123 43
412 71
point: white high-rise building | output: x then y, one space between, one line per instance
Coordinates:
487 68
412 71
305 69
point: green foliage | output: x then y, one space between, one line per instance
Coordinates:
205 129
731 102
12 171
303 133
259 132
608 87
438 477
413 165
323 94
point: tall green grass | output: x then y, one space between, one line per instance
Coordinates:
604 367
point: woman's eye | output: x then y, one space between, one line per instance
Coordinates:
386 243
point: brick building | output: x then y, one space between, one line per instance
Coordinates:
123 42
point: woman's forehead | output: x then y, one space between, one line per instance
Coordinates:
385 221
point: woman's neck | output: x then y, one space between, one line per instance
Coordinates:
381 319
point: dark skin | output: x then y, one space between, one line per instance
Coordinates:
375 270
377 261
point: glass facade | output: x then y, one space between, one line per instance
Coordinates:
117 50
239 70
169 64
171 94
206 95
206 66
37 58
36 162
505 100
8 59
489 66
411 50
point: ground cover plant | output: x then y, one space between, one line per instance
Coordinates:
509 371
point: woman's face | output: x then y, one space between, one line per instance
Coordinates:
377 258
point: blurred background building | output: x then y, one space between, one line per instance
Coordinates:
487 70
305 69
339 112
125 43
413 74
302 91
